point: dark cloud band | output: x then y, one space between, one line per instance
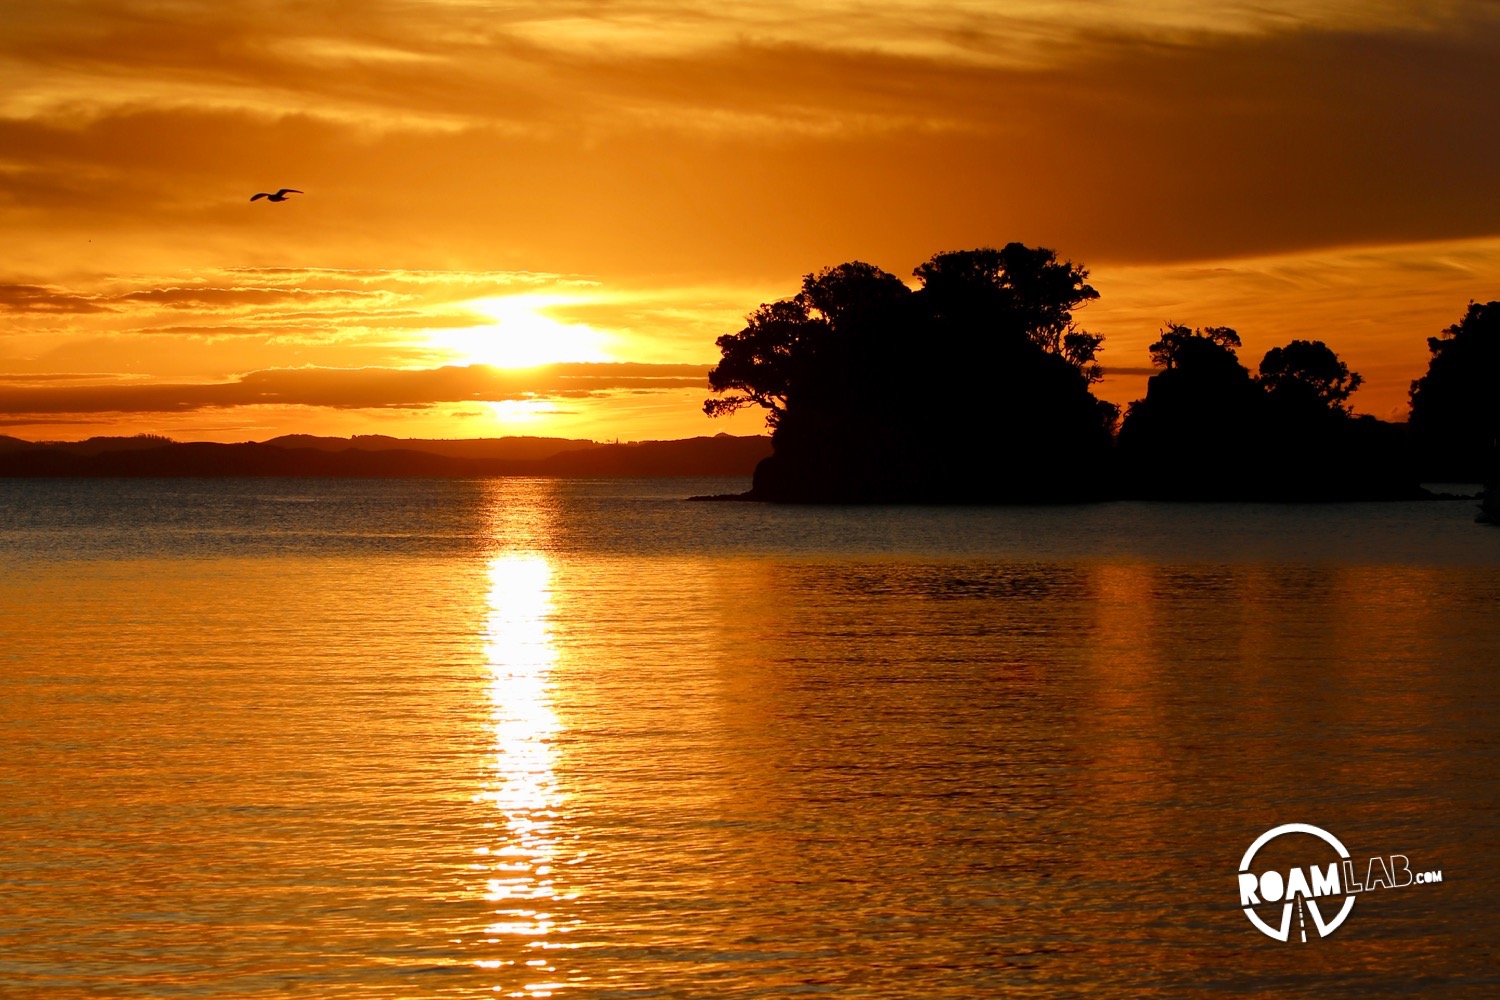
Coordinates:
360 388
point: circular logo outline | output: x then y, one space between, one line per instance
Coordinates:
1284 932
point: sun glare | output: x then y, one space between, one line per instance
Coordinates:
520 411
522 335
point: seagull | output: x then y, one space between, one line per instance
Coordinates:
278 196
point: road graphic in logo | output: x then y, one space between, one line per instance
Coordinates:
1318 895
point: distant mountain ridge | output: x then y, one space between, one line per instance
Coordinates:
501 448
378 456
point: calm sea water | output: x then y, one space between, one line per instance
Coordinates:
530 737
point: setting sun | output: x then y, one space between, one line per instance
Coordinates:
522 335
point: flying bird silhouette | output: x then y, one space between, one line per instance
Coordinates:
278 196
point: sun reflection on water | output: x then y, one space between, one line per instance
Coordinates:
523 884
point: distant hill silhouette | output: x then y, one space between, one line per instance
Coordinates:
509 448
91 446
722 455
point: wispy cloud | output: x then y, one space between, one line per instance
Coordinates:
362 388
46 299
258 301
446 61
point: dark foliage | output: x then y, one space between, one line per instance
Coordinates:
1455 407
1208 430
1194 435
1306 377
973 388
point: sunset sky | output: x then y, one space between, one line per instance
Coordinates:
536 218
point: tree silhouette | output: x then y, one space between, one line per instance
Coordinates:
1024 290
797 351
1455 408
758 364
1311 445
973 387
1178 345
1193 434
1207 430
1306 375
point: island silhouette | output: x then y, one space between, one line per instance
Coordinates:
976 387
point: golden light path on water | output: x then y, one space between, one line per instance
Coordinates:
523 884
518 737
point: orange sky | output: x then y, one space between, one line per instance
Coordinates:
536 219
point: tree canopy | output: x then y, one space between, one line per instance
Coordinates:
1455 407
1025 291
1207 429
973 385
1307 375
1209 346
